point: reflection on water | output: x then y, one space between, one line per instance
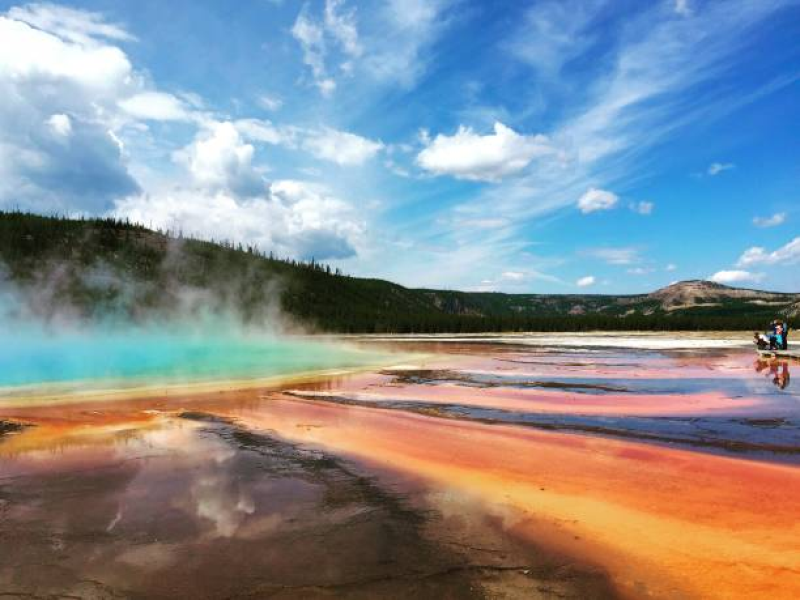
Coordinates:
461 476
198 507
776 370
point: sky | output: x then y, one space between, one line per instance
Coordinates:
534 147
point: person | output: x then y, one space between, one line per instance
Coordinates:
761 340
776 340
779 339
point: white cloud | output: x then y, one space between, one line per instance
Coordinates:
293 218
32 54
671 267
60 124
342 26
397 53
514 281
269 102
643 207
596 199
788 254
632 102
682 8
310 35
640 270
218 159
155 106
491 157
773 221
551 34
260 131
73 103
585 281
340 147
717 168
735 276
73 25
513 276
337 25
606 122
60 83
614 256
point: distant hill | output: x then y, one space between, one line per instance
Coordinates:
96 267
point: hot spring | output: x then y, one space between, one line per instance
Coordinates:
31 355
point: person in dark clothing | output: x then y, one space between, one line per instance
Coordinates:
777 341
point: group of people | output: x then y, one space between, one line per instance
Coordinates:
776 339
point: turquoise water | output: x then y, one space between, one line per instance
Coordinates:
32 355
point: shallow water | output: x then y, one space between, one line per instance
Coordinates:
475 470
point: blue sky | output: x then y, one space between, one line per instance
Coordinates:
514 146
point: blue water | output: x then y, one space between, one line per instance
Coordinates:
34 355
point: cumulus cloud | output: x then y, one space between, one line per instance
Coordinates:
325 143
491 157
735 276
155 106
60 124
340 147
259 130
224 195
785 255
218 159
28 53
717 168
595 199
585 281
71 101
61 81
772 221
293 218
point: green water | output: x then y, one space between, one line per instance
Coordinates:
34 355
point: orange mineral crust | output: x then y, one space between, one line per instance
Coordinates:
664 522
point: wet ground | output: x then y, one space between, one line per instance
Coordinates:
482 469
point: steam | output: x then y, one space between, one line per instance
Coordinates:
64 322
65 293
